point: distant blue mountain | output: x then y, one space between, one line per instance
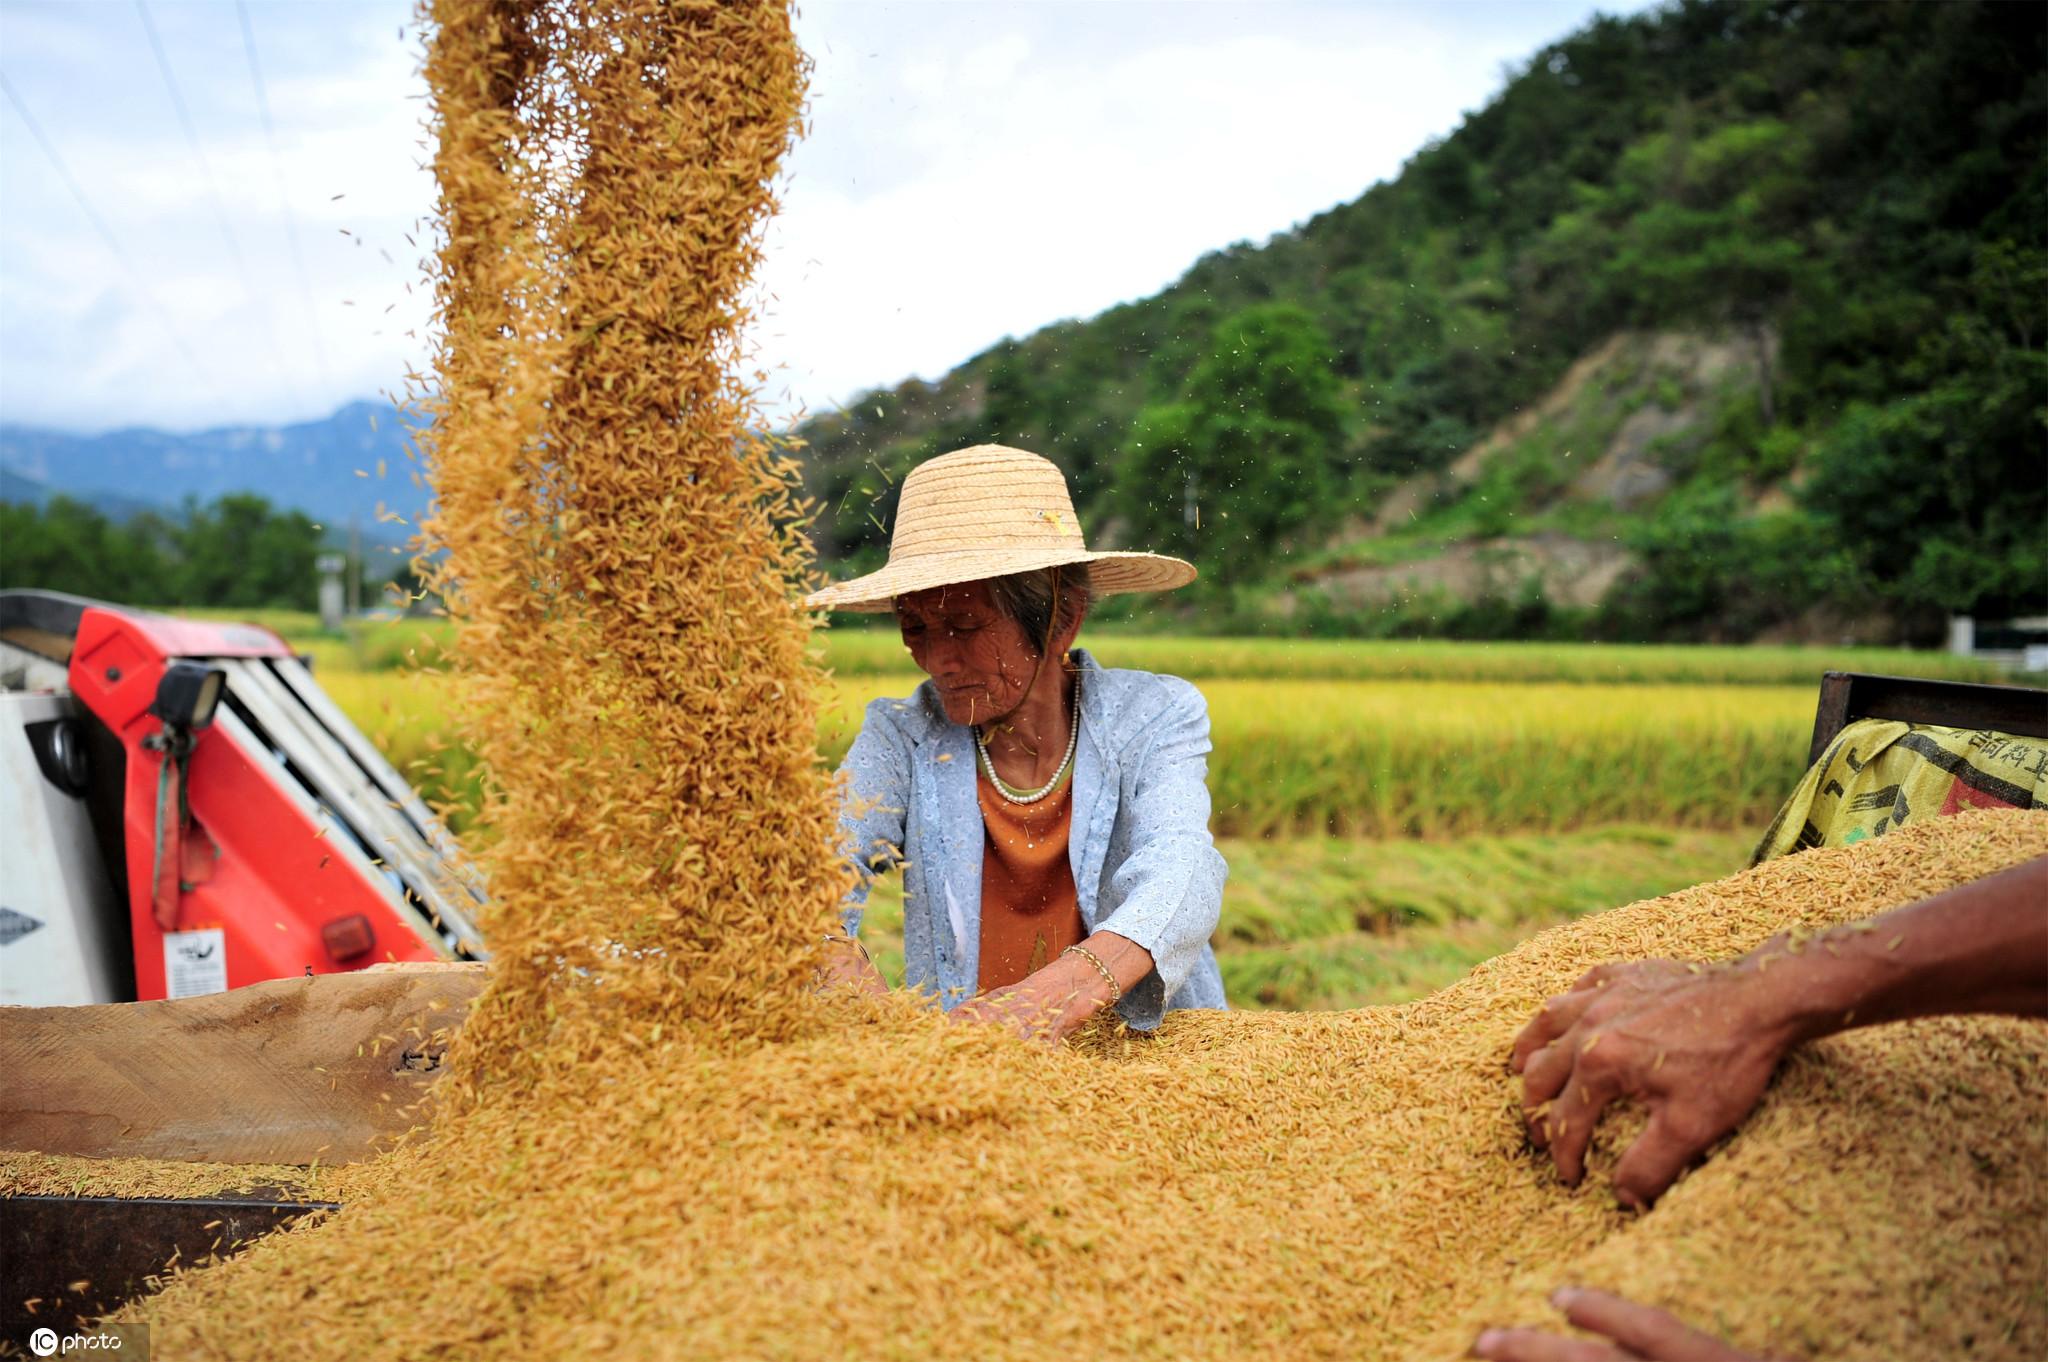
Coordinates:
117 506
14 487
329 469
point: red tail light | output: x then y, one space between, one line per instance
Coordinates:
348 937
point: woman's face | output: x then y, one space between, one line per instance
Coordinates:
976 656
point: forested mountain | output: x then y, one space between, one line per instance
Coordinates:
1734 309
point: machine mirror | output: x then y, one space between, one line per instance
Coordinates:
62 755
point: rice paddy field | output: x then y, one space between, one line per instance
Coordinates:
1383 758
1351 759
1392 813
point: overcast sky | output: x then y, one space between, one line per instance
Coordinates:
974 171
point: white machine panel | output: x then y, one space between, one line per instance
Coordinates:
61 941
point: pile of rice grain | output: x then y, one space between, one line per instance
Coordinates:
33 1173
663 1145
1341 1185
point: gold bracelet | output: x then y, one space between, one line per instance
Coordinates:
1116 991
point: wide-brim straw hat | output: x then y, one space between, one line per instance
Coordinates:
990 511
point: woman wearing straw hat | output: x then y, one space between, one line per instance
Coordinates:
1050 816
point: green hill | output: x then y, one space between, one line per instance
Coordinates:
1724 320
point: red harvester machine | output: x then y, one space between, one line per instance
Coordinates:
183 810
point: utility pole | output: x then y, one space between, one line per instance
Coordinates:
355 588
333 567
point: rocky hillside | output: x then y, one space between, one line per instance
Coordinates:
1539 508
1720 321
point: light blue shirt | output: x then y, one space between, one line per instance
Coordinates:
1144 864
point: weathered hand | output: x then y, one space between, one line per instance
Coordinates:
1685 1040
1638 1334
1046 1006
847 966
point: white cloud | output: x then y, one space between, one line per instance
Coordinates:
267 348
973 171
1046 176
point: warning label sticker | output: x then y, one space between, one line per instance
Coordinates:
195 962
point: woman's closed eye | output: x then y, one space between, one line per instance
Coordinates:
949 630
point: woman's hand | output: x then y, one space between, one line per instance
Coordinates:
1047 1006
1051 1004
1639 1334
1688 1041
847 965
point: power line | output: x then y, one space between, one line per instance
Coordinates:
291 225
163 64
106 233
227 231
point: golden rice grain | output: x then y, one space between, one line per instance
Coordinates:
621 550
1333 1185
661 1144
25 1173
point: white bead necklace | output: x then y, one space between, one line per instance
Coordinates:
1016 796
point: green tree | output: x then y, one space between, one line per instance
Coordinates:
1942 495
66 545
1864 183
240 551
1248 457
1707 570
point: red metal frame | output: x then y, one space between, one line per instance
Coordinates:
275 880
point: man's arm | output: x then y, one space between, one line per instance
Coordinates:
1697 1044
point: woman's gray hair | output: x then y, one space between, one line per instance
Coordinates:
1027 597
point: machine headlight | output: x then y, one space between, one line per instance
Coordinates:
187 695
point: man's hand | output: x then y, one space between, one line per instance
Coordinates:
1697 1044
1684 1040
1047 1006
1638 1334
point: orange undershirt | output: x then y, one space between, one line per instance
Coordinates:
1029 909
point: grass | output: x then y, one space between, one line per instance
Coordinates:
1393 813
1319 923
362 646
